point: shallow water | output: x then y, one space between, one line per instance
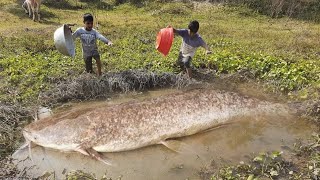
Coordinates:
227 143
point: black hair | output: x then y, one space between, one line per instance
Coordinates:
87 17
194 26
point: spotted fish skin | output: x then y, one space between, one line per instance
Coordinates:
132 125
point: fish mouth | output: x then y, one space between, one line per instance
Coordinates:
28 135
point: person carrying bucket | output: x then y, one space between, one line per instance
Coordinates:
88 37
191 41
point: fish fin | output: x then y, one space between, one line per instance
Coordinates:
20 149
91 152
98 156
176 146
83 151
183 148
216 127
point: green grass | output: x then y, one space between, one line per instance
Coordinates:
282 51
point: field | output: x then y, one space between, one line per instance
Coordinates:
282 53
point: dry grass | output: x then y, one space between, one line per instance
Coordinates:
88 86
12 119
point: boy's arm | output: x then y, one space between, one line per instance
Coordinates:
175 31
76 33
206 47
102 38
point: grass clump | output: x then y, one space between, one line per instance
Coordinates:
270 165
12 119
87 87
304 164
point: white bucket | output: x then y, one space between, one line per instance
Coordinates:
63 41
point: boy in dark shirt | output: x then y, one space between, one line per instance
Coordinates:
191 41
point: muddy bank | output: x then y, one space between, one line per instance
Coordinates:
12 119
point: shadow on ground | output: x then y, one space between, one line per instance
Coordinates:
62 4
79 4
44 14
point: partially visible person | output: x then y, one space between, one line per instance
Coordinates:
89 36
191 41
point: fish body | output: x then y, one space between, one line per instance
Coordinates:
132 125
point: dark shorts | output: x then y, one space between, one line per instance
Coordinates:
184 62
88 62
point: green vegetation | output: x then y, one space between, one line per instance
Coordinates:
284 52
271 165
306 10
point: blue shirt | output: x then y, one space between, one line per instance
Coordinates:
189 44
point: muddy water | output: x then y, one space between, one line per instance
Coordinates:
228 143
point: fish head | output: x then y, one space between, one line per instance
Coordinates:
31 135
54 132
43 131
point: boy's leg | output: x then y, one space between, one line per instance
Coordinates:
88 62
179 61
189 72
187 61
98 61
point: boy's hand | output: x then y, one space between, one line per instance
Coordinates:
69 28
109 43
174 30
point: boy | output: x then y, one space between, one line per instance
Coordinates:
89 37
191 41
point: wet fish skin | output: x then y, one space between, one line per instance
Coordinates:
133 125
